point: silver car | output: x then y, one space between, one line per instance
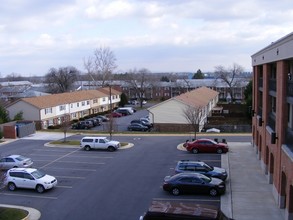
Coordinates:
14 161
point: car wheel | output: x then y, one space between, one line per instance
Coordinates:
175 191
213 192
195 150
40 188
219 150
11 186
111 148
87 148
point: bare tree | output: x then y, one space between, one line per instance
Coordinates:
140 81
101 65
194 115
65 124
230 76
61 80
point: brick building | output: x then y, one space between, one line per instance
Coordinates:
273 118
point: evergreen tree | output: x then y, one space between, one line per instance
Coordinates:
198 75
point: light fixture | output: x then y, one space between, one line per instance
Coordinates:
289 76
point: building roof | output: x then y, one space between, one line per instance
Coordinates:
47 101
198 97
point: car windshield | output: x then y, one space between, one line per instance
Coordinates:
205 179
106 140
38 174
20 158
209 168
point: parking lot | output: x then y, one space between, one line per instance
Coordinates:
107 185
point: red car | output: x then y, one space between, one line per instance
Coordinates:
115 115
206 146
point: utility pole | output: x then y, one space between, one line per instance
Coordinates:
111 116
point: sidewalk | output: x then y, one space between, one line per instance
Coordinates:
248 195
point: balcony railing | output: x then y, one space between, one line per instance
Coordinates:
272 85
290 88
272 121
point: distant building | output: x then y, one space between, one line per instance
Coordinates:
170 114
273 118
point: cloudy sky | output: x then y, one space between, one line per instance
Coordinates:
161 35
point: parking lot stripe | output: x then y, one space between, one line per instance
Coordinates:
79 162
61 168
71 177
23 195
191 200
58 159
66 187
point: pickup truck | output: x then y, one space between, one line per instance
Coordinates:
89 143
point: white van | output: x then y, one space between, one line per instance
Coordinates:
130 109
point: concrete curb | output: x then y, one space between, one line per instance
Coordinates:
33 214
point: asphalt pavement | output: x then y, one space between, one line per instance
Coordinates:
248 195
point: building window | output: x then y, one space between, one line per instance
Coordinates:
83 103
71 105
104 99
87 102
95 101
62 107
77 104
48 110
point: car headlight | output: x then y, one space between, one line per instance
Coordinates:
221 186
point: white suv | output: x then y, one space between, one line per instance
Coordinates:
89 143
29 178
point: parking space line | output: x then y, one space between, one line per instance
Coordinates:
61 168
58 159
191 200
17 194
65 187
78 162
71 177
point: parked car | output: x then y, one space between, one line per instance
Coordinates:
103 118
200 167
142 122
95 121
213 130
130 109
146 120
87 124
137 127
206 146
176 210
14 161
114 115
124 112
29 178
78 126
89 143
193 183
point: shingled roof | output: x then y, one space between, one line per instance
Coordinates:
198 97
47 101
